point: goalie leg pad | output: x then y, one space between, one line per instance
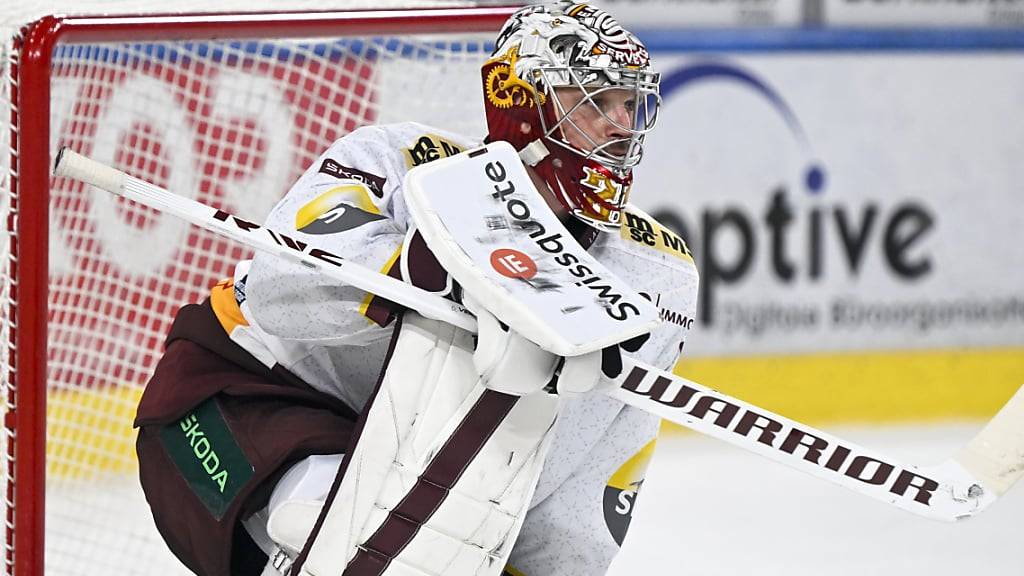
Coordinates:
444 470
294 506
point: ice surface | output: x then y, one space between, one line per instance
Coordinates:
710 509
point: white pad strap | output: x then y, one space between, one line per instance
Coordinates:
580 374
290 524
534 152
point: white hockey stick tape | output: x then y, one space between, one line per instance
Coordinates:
74 165
996 455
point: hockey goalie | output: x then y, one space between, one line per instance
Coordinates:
296 425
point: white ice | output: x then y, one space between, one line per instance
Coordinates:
709 509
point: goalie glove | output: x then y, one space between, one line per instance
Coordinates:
597 370
505 361
508 362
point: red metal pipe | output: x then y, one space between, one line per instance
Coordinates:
30 146
293 24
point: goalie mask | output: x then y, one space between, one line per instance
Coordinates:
573 92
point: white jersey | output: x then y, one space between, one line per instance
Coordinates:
335 337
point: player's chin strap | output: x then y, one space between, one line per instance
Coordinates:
442 474
534 152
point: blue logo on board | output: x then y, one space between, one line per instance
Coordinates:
693 75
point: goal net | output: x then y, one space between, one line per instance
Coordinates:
90 282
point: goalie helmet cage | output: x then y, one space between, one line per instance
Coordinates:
227 108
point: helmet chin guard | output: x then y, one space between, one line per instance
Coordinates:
573 91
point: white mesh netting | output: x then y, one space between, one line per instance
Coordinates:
230 124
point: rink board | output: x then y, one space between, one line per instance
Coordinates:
849 196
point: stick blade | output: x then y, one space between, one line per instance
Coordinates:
996 455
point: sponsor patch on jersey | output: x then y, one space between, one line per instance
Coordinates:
428 148
680 319
649 232
339 209
240 290
674 317
205 452
373 183
621 492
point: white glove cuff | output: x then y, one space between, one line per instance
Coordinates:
580 374
506 361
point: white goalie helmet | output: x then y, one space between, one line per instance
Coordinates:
574 91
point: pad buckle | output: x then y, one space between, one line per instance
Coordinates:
281 562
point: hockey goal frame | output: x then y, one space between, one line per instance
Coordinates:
25 419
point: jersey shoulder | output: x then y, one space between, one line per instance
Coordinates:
392 149
363 172
643 236
420 143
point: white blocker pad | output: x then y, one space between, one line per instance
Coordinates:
444 469
490 228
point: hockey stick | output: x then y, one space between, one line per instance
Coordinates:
955 489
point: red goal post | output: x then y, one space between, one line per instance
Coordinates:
227 108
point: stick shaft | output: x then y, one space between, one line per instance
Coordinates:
79 167
945 492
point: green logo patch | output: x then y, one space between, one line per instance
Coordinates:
207 455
